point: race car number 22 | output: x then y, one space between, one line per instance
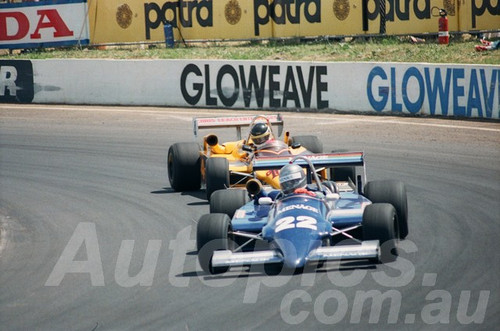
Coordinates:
290 222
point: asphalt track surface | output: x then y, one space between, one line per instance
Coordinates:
91 182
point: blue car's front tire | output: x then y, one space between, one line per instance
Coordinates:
212 235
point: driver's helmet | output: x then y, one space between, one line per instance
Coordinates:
292 177
260 133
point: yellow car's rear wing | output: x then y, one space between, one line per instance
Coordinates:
236 122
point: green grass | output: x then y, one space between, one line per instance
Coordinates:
391 49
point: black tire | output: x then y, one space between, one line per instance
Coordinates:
311 143
228 201
183 166
380 223
216 175
343 174
273 269
393 192
212 235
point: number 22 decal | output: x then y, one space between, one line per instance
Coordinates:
290 222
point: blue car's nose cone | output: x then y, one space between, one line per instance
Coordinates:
297 264
296 251
294 257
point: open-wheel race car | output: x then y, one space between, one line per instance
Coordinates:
295 227
218 165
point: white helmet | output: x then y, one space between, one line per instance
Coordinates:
292 177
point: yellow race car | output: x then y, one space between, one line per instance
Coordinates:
219 165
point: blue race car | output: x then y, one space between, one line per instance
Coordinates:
327 220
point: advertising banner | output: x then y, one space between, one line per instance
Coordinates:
16 81
43 24
424 89
114 21
470 91
479 15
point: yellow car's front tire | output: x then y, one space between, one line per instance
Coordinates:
216 175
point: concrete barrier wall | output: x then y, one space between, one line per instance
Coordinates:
409 88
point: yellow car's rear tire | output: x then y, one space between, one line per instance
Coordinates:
183 166
311 143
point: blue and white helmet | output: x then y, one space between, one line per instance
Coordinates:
292 177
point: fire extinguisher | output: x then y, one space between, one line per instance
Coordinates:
443 34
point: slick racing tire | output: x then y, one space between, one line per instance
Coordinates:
311 143
212 235
228 201
380 223
216 175
183 166
393 192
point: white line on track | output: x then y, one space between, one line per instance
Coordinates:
385 121
3 233
187 115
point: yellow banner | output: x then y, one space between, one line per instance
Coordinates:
115 21
479 15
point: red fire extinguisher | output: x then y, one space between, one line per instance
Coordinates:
443 34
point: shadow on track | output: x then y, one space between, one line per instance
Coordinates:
260 270
200 194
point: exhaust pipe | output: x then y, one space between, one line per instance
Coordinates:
212 140
254 186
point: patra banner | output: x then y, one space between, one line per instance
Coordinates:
136 21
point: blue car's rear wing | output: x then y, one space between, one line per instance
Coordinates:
330 160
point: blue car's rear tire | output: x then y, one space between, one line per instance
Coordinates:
228 201
393 192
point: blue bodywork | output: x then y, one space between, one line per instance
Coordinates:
297 224
303 227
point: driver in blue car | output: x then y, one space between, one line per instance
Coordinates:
293 180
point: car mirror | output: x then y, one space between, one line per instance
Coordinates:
332 196
265 201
